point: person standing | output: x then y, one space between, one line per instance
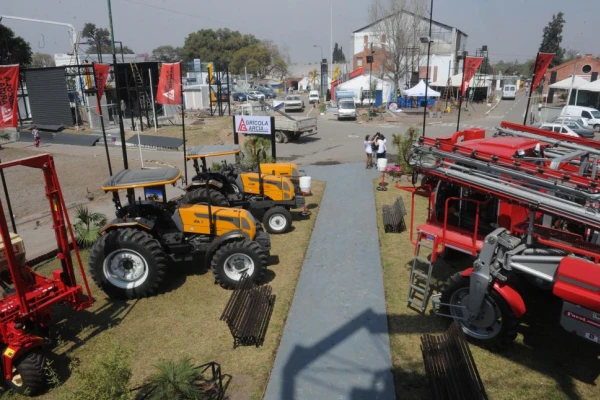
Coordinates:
36 136
381 147
369 151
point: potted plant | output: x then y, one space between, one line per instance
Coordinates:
394 171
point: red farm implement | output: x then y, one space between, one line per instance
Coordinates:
25 312
525 203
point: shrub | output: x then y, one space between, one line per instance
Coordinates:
87 226
405 144
216 166
322 108
106 377
176 380
255 146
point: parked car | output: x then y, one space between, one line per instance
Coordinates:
269 93
509 92
239 96
565 130
587 133
581 121
346 109
592 115
256 95
294 103
313 96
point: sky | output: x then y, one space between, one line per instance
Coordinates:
512 29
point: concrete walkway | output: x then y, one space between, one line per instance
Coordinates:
335 343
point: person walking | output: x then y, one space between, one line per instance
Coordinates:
36 136
369 151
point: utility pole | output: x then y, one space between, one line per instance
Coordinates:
427 73
119 112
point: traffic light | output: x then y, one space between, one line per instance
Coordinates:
210 73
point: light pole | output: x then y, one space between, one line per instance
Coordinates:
562 121
428 38
119 112
321 80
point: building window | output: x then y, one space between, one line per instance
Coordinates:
359 61
366 39
586 69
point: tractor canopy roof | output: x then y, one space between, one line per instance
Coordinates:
502 146
212 151
141 177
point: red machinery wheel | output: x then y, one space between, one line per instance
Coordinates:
29 375
496 325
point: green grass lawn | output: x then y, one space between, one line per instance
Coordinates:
183 321
545 361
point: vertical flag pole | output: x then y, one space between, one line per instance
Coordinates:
535 72
462 85
152 98
183 124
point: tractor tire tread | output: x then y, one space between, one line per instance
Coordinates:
510 322
198 196
32 367
254 247
274 210
142 239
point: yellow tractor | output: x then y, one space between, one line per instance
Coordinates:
268 197
135 250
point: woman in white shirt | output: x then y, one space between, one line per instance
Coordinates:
369 151
381 147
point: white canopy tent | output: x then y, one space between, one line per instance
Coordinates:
362 82
565 84
419 90
591 86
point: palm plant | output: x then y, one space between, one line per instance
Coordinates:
255 146
176 380
87 226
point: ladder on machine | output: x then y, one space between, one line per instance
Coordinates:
420 272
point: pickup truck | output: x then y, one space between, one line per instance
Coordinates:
287 130
294 103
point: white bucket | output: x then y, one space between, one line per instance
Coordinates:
381 164
305 184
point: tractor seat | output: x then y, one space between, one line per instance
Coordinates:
141 177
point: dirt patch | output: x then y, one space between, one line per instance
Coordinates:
184 320
80 177
539 365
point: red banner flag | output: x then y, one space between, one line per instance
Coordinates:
9 83
542 62
471 66
101 76
169 84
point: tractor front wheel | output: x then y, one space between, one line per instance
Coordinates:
233 259
277 220
495 326
198 196
29 374
128 264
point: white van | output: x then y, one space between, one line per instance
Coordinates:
313 97
591 114
509 92
346 109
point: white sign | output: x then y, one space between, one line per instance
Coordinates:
252 125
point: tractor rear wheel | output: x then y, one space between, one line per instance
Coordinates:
128 264
277 220
29 374
198 196
495 327
233 259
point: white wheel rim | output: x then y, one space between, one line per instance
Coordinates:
125 269
486 325
277 222
17 379
238 264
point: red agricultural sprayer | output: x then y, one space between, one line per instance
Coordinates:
526 204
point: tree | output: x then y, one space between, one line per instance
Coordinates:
13 49
338 54
167 54
216 46
42 60
256 59
396 24
553 38
100 40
